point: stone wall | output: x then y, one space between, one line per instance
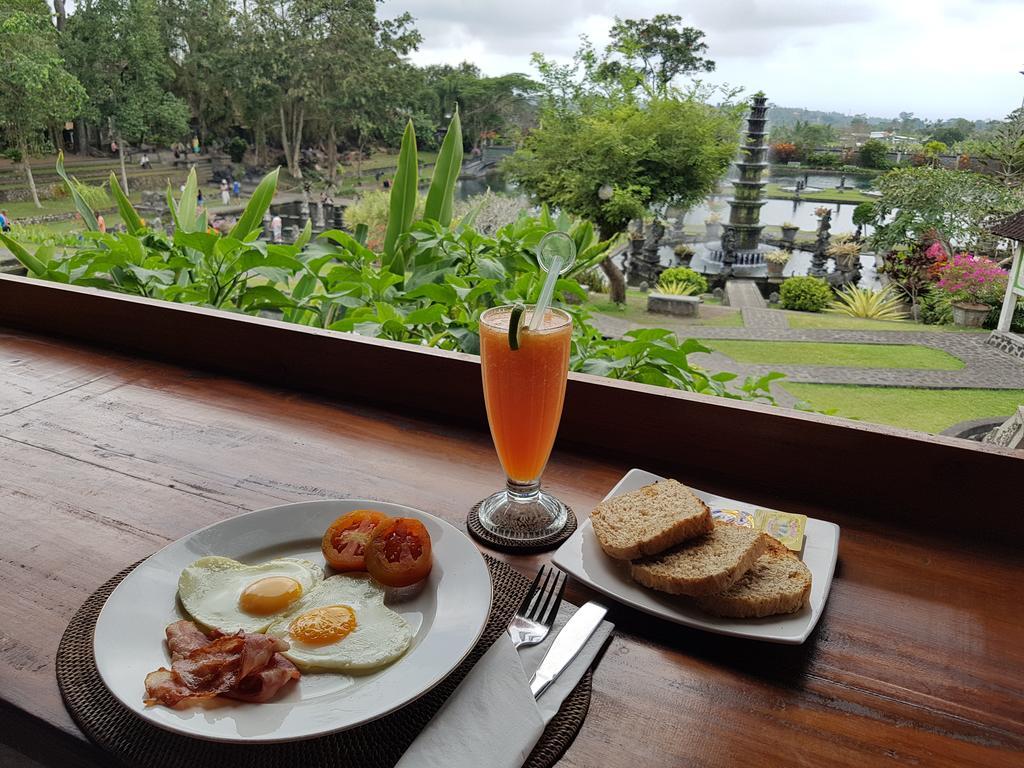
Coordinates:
1010 343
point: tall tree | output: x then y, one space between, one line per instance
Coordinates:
617 138
1001 150
199 38
35 87
654 51
118 51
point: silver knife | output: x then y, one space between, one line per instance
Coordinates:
569 642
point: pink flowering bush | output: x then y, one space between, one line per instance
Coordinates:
970 278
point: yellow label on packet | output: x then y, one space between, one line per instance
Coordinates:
784 526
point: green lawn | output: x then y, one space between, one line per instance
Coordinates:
825 196
927 410
845 355
635 311
835 321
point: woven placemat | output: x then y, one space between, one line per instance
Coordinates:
514 546
134 742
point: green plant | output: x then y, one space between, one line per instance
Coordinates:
677 288
371 209
683 251
823 160
935 307
236 148
882 304
593 280
805 294
777 257
451 275
684 276
873 154
96 197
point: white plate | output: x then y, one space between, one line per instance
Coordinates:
448 615
582 557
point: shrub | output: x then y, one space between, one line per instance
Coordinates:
372 209
593 280
683 251
686 276
874 154
784 152
870 304
823 160
777 257
236 149
967 277
805 294
936 307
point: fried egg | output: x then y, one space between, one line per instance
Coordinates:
221 593
343 624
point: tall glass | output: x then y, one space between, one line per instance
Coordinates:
524 390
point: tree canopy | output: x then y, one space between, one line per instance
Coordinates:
954 206
35 87
618 137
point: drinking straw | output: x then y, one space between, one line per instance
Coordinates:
559 251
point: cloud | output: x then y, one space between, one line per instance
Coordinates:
938 58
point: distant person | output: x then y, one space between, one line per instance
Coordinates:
225 192
200 201
144 161
101 224
236 188
195 145
5 221
276 227
387 183
113 147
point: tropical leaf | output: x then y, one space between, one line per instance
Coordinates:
186 218
87 214
132 221
402 204
252 216
441 195
34 265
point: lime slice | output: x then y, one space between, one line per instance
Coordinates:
515 321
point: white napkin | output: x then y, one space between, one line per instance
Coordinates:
492 718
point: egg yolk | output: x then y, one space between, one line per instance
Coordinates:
323 625
269 595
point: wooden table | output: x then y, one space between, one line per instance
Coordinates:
918 659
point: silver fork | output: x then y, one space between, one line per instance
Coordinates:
537 612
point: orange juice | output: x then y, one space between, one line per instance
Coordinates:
524 388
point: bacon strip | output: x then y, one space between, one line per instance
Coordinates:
244 666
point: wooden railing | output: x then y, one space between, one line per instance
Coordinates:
756 451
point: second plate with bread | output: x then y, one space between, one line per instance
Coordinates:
652 544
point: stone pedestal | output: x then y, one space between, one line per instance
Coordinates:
680 306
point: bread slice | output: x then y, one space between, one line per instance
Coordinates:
703 566
649 520
778 583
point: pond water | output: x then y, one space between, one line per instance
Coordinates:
774 212
777 212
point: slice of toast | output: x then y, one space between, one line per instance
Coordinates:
778 583
703 566
649 520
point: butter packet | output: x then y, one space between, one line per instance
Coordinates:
784 526
734 516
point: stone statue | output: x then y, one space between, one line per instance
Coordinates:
819 259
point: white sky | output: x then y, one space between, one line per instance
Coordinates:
935 58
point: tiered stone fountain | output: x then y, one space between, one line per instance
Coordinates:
740 246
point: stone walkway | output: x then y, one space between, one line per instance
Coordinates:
984 366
